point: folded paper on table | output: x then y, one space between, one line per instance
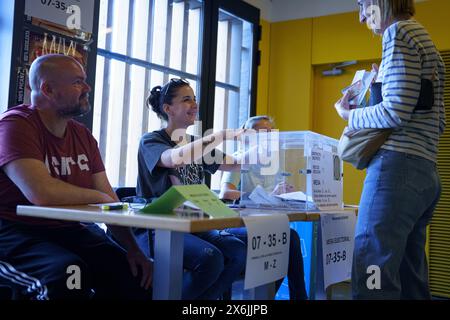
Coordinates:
199 195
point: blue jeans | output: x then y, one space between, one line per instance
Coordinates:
296 277
397 203
212 261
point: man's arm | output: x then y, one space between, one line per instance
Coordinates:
40 188
123 234
136 258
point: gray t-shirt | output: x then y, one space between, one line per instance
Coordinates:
154 180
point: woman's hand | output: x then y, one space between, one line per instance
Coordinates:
375 69
342 106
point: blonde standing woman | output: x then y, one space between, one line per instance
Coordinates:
402 185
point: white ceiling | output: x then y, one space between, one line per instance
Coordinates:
282 10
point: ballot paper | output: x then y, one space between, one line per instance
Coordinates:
260 196
295 196
359 87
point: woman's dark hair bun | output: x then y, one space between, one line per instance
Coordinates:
153 100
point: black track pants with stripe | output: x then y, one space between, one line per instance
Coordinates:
65 263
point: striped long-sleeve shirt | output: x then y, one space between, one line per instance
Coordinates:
409 55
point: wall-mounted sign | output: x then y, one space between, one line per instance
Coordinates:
71 14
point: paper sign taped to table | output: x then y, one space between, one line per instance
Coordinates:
198 194
326 178
337 246
267 249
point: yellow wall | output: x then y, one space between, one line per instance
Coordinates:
435 16
290 74
290 85
341 37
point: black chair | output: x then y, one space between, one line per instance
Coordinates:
142 235
123 192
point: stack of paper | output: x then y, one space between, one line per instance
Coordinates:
295 196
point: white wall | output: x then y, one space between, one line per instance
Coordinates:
282 10
299 9
265 6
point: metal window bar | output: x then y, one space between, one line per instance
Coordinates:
150 28
127 58
126 100
106 88
138 113
168 39
185 36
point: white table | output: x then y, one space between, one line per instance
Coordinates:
169 230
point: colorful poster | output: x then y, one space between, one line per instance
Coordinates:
38 42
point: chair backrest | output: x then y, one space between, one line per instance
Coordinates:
123 192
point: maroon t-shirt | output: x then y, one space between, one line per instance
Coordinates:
73 159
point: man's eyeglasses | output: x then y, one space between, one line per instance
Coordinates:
177 81
135 203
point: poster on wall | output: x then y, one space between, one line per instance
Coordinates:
53 27
38 42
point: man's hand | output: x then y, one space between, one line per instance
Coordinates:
137 260
283 187
342 106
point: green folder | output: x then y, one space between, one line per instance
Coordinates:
198 194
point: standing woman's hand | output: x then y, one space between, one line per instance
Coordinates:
375 69
342 106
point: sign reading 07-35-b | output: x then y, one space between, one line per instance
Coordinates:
267 250
72 14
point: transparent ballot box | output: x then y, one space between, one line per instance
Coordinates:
297 170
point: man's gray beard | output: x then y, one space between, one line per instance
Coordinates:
76 111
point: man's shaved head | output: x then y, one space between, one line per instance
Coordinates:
58 83
48 68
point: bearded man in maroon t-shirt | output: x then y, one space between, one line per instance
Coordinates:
47 158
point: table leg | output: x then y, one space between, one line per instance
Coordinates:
168 265
315 273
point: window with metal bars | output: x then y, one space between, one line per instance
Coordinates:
144 43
